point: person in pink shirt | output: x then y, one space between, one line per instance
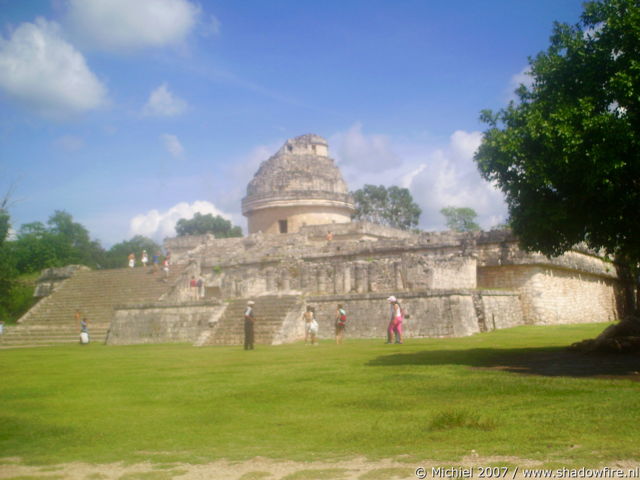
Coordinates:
395 324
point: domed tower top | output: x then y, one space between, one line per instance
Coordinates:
299 185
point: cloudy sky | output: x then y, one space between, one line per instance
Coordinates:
131 115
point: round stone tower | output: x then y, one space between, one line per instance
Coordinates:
299 185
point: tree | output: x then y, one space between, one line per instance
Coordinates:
7 268
460 219
202 224
393 206
567 154
61 242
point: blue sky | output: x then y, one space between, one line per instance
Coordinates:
131 115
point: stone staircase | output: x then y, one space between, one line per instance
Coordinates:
95 293
269 311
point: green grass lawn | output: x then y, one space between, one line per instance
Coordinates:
423 399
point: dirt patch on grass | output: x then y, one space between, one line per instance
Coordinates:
265 469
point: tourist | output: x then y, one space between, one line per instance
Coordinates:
132 260
310 326
165 268
156 262
200 285
329 236
1 327
341 323
391 326
249 321
398 317
193 287
145 258
84 332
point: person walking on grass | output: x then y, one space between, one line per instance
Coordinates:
341 323
310 326
397 319
390 328
249 321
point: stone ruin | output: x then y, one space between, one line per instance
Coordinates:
452 284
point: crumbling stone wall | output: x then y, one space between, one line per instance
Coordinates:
449 313
552 295
162 323
51 278
365 259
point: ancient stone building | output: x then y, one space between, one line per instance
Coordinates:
299 185
452 284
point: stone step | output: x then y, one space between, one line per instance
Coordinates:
95 294
269 311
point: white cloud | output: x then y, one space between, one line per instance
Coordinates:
163 103
521 78
448 176
69 143
355 149
43 72
438 175
173 145
119 25
160 225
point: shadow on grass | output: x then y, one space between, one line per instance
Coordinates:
552 362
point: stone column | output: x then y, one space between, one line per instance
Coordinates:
361 278
271 280
371 277
304 277
286 279
347 278
397 271
322 279
338 279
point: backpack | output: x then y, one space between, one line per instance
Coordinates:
343 317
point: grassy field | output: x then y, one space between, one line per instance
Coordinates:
428 399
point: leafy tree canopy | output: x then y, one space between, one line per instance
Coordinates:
460 219
393 206
61 242
567 154
203 224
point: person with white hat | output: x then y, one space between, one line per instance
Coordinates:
395 322
249 320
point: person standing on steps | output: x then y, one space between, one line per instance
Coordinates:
200 284
249 321
193 288
165 268
156 262
84 332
